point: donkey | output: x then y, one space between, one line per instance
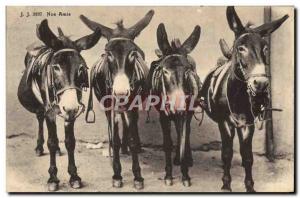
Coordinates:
121 73
173 77
237 93
55 75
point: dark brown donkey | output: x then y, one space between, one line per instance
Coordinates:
120 75
51 85
237 93
173 78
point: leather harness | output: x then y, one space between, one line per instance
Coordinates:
140 74
43 62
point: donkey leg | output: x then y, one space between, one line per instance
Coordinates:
39 150
184 164
70 143
176 161
227 132
189 157
138 140
124 145
52 146
134 148
168 146
245 138
117 178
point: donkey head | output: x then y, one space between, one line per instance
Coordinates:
121 50
178 68
250 51
67 68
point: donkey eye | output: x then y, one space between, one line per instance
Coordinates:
56 67
265 50
110 56
131 56
166 72
81 68
242 49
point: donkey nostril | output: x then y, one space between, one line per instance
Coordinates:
121 93
266 85
71 111
122 100
255 82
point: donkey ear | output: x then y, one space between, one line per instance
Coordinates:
88 41
268 28
234 21
136 29
162 39
225 49
191 42
60 32
105 31
47 36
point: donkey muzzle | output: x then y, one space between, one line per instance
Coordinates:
177 101
69 106
258 84
121 85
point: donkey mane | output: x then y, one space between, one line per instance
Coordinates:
175 43
120 24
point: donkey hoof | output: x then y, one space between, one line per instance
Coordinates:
138 184
76 184
251 190
226 188
169 182
52 186
39 152
117 183
249 186
186 183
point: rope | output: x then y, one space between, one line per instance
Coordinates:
202 117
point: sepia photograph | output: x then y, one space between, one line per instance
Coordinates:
150 99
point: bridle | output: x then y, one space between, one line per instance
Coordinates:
138 76
51 88
245 76
261 116
158 81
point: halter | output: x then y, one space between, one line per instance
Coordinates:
120 39
49 82
245 76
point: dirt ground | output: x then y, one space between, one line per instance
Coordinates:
26 172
